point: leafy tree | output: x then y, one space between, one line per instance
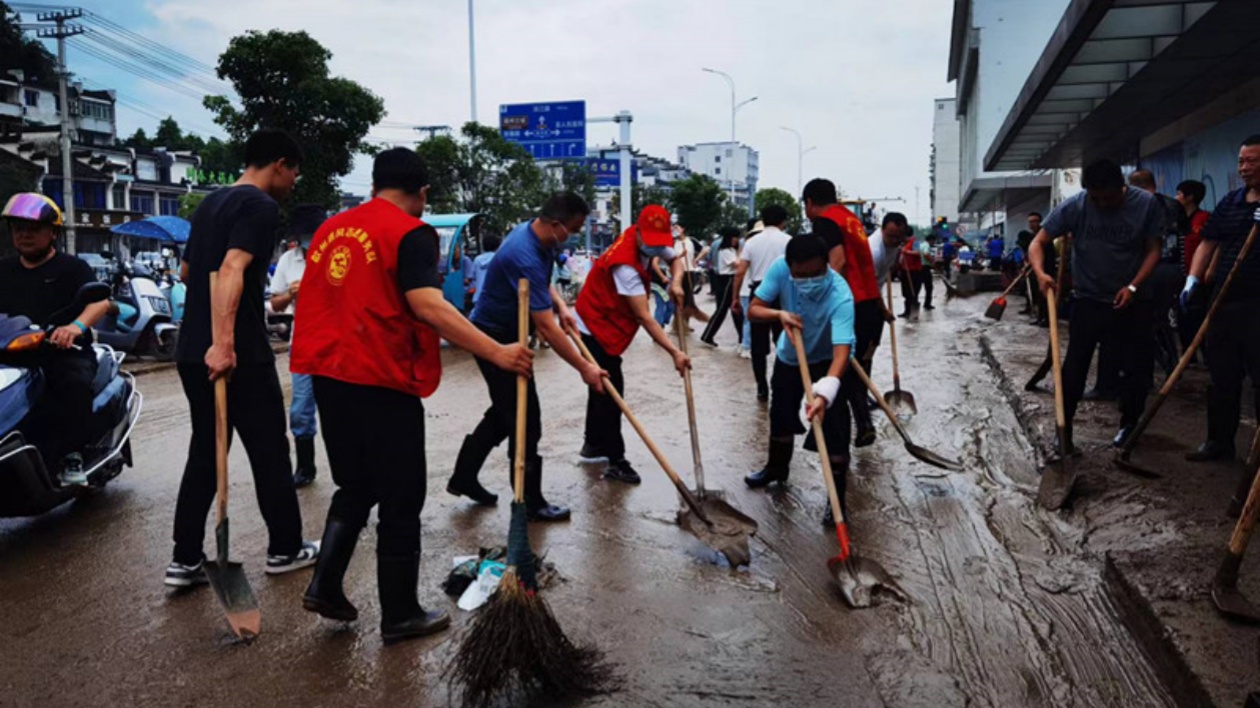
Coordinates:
482 172
639 198
698 202
767 197
17 51
216 155
188 204
577 177
282 80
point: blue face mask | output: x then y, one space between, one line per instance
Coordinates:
811 288
654 251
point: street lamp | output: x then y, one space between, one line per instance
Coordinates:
801 152
735 106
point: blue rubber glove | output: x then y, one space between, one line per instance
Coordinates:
1256 216
1192 284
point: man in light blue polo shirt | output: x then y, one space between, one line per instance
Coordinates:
817 305
529 252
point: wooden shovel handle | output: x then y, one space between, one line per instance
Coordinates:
522 392
1247 520
680 326
221 431
892 336
807 381
1060 417
1015 283
611 390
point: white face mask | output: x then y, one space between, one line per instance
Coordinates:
811 288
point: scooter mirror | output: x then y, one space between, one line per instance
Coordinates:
91 293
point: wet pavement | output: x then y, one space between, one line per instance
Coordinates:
1009 605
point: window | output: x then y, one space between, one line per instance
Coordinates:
717 158
120 197
142 202
99 111
169 206
32 98
729 153
89 195
717 170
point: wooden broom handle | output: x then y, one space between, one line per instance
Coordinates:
522 392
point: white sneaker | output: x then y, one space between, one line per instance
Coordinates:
287 564
745 353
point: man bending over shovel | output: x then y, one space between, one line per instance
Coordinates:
817 305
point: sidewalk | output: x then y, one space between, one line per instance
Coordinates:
1161 539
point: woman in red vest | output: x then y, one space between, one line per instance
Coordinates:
612 306
368 332
850 256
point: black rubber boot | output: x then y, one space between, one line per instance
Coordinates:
865 436
536 506
326 595
305 473
402 617
839 473
777 466
464 482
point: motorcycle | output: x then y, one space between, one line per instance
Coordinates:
142 322
27 486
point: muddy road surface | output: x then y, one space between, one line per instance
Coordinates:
1006 607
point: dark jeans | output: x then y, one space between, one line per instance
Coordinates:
763 335
908 290
603 416
62 420
1233 355
1131 332
256 413
725 296
375 442
923 281
868 328
499 421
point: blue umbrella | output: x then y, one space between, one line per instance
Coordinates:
167 229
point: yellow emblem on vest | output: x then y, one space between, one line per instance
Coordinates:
339 265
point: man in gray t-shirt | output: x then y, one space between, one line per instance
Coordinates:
1116 238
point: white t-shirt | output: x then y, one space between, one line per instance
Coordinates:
883 257
726 260
628 283
760 253
289 270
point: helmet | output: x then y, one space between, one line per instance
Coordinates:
30 206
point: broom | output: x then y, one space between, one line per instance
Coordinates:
515 645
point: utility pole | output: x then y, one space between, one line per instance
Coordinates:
472 63
60 33
432 130
734 109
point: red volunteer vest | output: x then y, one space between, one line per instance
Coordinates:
353 323
910 257
604 312
859 266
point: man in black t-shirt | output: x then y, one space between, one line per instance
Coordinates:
224 334
40 283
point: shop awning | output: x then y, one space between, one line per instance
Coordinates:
1116 71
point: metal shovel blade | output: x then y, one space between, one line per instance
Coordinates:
859 578
727 531
233 590
925 455
1124 462
1056 484
902 402
1225 595
996 309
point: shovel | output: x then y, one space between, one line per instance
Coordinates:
1059 475
1225 594
717 524
226 577
697 464
898 399
857 577
1122 459
920 453
1048 363
997 308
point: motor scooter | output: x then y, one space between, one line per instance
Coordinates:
143 322
27 486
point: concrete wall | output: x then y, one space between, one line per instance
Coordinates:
946 133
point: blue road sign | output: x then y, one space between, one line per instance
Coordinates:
607 170
549 131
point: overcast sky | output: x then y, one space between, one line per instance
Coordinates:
856 79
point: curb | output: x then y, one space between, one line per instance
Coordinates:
142 368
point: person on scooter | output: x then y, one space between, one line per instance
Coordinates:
41 283
285 282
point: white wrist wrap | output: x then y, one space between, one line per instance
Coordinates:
828 387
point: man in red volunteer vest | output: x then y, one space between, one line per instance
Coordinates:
850 256
611 308
368 333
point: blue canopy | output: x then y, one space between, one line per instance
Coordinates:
167 229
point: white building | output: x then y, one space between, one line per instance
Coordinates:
29 105
993 47
944 169
735 166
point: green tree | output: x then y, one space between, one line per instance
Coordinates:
698 202
22 53
577 177
282 81
639 198
216 155
481 172
188 204
773 195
